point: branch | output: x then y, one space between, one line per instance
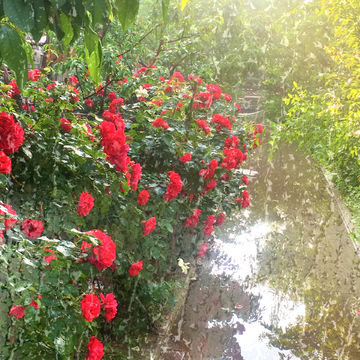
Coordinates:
157 53
104 31
103 97
141 39
176 65
102 88
180 38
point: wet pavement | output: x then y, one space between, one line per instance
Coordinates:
282 281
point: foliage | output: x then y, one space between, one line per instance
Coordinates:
324 119
65 18
58 161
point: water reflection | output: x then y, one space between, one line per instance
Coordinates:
283 281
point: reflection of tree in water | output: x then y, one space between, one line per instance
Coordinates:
312 263
211 319
320 272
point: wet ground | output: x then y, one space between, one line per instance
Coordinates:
282 282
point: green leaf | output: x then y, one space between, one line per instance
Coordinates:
21 14
70 289
155 252
28 50
165 8
125 186
3 180
91 39
183 4
13 54
98 10
67 28
94 62
41 19
126 11
169 227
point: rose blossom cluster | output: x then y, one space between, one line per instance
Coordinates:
174 187
210 171
86 204
102 255
91 306
192 220
11 138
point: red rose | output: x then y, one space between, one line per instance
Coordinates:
220 220
89 103
9 222
1 237
149 226
114 105
238 107
209 173
96 349
177 77
193 219
52 85
214 90
227 97
159 122
143 197
245 200
112 96
259 129
86 204
208 229
113 143
245 180
104 254
11 134
135 268
202 250
17 310
165 125
185 158
174 187
239 200
110 305
135 176
32 228
65 124
5 163
228 143
90 307
34 75
15 90
48 259
222 121
73 80
203 125
210 185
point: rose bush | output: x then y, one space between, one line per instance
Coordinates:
149 185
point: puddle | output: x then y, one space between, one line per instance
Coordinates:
282 281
